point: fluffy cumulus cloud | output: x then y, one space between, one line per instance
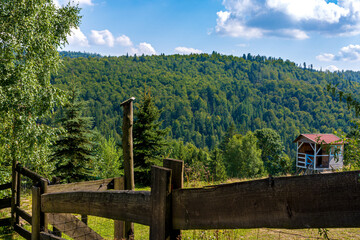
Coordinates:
106 40
288 18
348 53
332 68
124 40
103 37
77 38
186 50
143 48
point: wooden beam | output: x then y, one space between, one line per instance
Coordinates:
5 186
117 205
23 214
5 203
177 182
72 226
119 226
22 232
177 175
310 201
36 213
160 227
127 144
18 196
48 236
28 173
97 185
5 222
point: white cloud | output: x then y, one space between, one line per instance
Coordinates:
233 27
348 53
293 33
325 57
77 38
332 68
309 9
103 37
288 18
146 49
80 2
124 40
186 50
142 48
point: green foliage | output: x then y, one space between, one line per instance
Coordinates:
30 33
272 151
74 150
108 162
243 158
201 95
217 166
149 139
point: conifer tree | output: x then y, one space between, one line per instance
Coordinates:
74 150
149 139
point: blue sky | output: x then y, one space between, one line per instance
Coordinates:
319 32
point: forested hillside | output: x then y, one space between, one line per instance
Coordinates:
201 95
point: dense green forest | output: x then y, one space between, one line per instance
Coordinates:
201 95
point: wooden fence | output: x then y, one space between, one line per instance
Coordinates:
5 203
39 220
313 201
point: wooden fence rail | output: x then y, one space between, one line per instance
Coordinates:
5 203
119 205
313 201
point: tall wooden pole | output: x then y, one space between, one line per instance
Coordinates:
127 144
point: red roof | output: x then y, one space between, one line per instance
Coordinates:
321 138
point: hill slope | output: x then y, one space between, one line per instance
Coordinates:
201 95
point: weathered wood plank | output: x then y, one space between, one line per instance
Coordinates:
22 232
160 228
119 226
28 173
127 144
36 213
48 236
313 201
5 203
5 186
5 222
118 205
97 185
18 196
177 182
23 214
72 226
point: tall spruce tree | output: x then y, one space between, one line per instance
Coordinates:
74 150
149 139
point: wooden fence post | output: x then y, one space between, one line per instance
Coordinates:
127 144
177 182
36 214
119 226
43 217
160 227
13 192
18 197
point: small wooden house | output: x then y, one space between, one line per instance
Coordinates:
319 152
